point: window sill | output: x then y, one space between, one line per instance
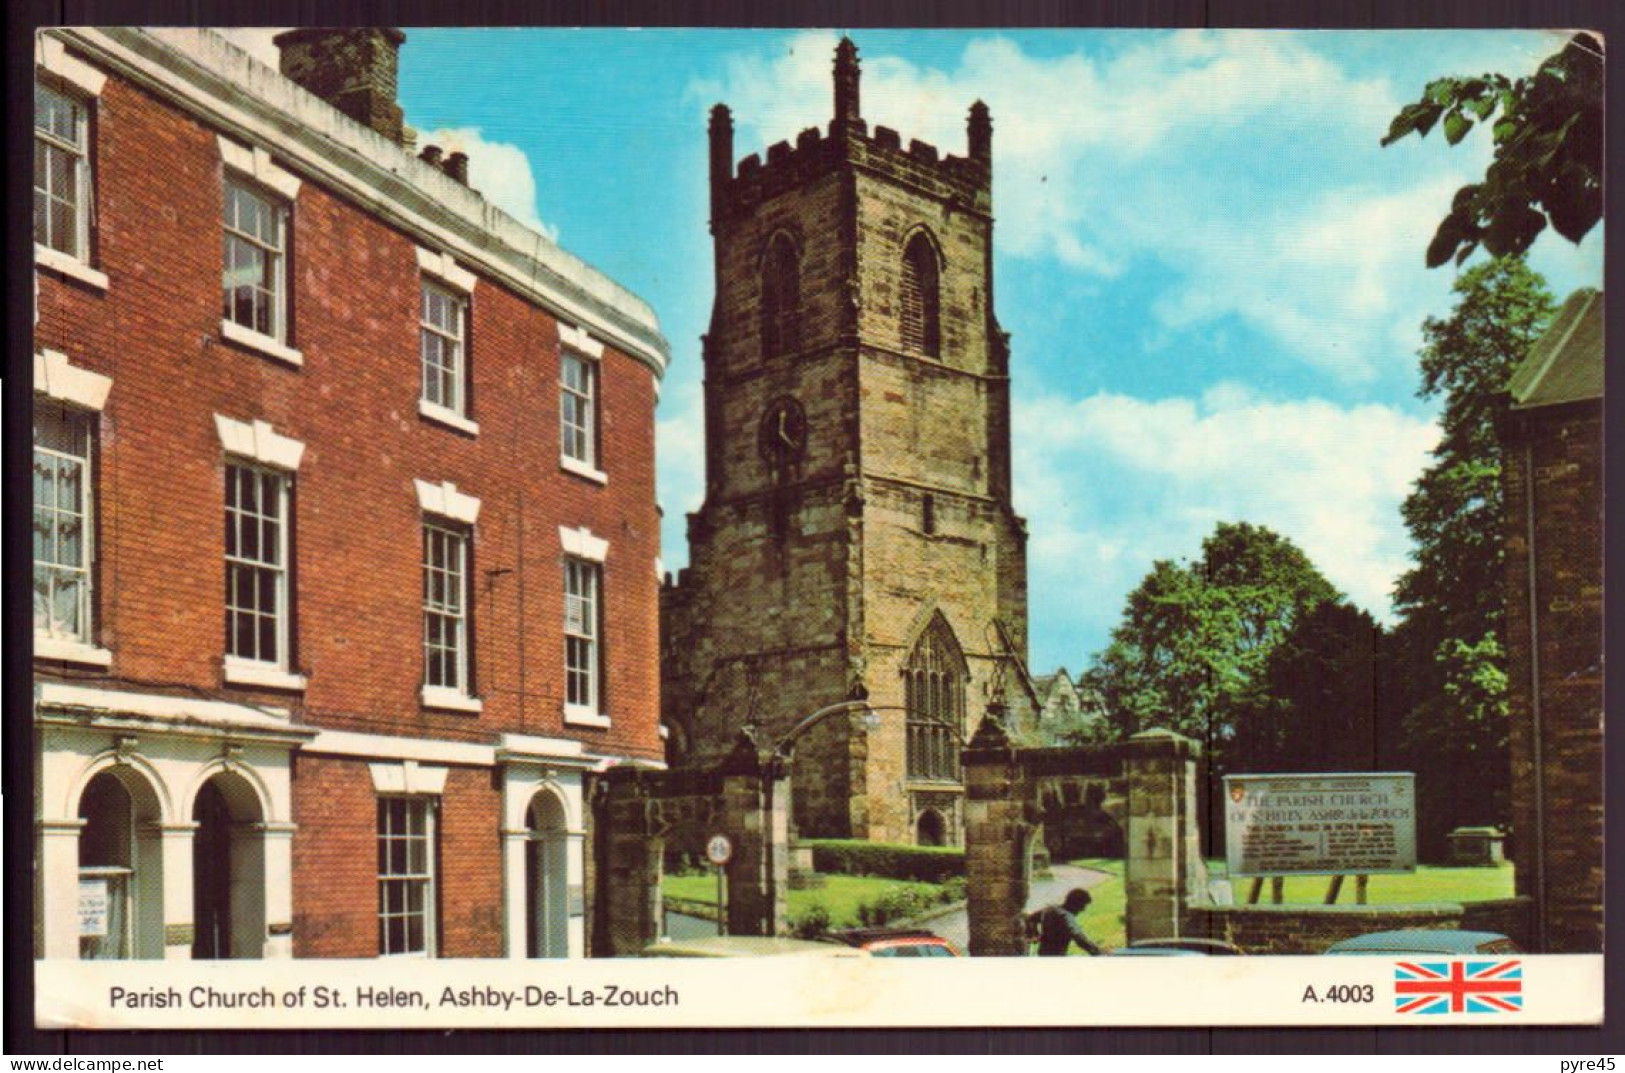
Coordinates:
577 716
67 651
233 332
68 265
438 413
582 469
243 672
450 700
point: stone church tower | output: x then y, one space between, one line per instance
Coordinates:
857 532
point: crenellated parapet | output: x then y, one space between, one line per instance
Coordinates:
966 181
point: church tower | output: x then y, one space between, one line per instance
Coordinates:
857 535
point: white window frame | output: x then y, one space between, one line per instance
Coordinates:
447 508
577 347
78 645
426 879
253 670
256 445
584 554
77 150
82 392
453 340
441 271
252 170
71 77
458 538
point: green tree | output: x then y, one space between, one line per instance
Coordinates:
1548 132
1452 601
1195 639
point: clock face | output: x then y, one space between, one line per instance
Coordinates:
783 434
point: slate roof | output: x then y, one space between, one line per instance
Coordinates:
1566 365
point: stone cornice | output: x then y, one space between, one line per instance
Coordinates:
212 79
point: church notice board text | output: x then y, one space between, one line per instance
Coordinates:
1353 824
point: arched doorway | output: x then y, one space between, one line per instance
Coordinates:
931 829
121 909
228 870
547 864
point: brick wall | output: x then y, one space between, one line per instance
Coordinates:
1557 454
356 564
356 573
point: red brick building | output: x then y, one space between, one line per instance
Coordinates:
345 529
1552 440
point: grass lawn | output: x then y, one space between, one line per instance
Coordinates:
840 895
1103 920
1426 884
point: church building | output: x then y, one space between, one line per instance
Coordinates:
857 538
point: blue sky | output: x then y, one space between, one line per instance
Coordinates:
1211 272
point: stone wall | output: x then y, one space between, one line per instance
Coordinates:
814 571
746 798
1151 778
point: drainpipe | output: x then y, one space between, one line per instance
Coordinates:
1534 695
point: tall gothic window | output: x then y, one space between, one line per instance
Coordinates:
934 693
781 297
921 326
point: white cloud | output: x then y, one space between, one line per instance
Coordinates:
1110 483
498 170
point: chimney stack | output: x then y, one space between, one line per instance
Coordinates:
354 69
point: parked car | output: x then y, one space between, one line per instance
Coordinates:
896 942
1178 947
1420 941
746 946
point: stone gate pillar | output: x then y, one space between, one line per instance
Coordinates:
756 819
630 865
1163 869
996 835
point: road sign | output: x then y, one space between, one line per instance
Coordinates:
719 851
1345 824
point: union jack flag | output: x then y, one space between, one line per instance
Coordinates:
1458 987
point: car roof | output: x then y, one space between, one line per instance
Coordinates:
723 946
1418 941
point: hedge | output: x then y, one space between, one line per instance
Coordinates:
929 864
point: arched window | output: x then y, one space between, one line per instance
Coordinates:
781 297
934 694
918 298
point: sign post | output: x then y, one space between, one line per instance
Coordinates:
1338 825
719 851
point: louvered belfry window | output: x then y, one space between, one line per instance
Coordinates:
918 298
934 691
781 298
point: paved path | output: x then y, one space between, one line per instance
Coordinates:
953 924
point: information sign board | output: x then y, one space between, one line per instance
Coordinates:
1344 824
